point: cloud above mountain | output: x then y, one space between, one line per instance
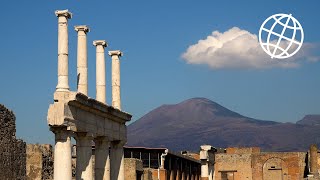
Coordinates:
240 49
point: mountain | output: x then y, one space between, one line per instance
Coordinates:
198 121
313 120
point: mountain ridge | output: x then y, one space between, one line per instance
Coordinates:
196 121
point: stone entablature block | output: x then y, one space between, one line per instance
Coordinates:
79 113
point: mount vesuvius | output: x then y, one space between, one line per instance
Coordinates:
197 121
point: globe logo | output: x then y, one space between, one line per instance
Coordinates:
281 36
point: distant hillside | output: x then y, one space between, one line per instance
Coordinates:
313 120
197 121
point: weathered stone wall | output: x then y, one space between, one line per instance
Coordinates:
147 174
249 163
39 162
12 150
47 162
237 164
242 150
290 165
133 169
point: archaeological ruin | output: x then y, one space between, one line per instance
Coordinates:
100 134
39 162
75 115
12 150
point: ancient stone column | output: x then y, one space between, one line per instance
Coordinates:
117 160
313 159
172 174
63 81
102 159
207 159
84 167
116 96
100 70
204 170
62 154
82 62
183 174
192 176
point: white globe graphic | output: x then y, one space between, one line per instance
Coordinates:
281 36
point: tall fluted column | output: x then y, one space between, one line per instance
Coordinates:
82 62
84 167
116 96
63 81
117 160
62 154
102 159
100 70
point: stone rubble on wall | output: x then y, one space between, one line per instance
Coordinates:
12 150
47 162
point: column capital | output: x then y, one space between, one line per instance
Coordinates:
100 42
118 144
57 129
84 28
115 53
64 13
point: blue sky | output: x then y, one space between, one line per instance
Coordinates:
153 36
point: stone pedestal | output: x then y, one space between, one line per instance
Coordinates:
82 59
62 154
63 81
115 79
100 70
117 160
102 159
84 167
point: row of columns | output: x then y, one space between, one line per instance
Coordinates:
107 166
183 172
82 62
178 169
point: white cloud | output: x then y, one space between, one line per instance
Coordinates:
238 48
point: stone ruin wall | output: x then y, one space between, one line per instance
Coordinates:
39 162
12 150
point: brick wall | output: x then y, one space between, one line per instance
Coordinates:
248 163
236 166
292 164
